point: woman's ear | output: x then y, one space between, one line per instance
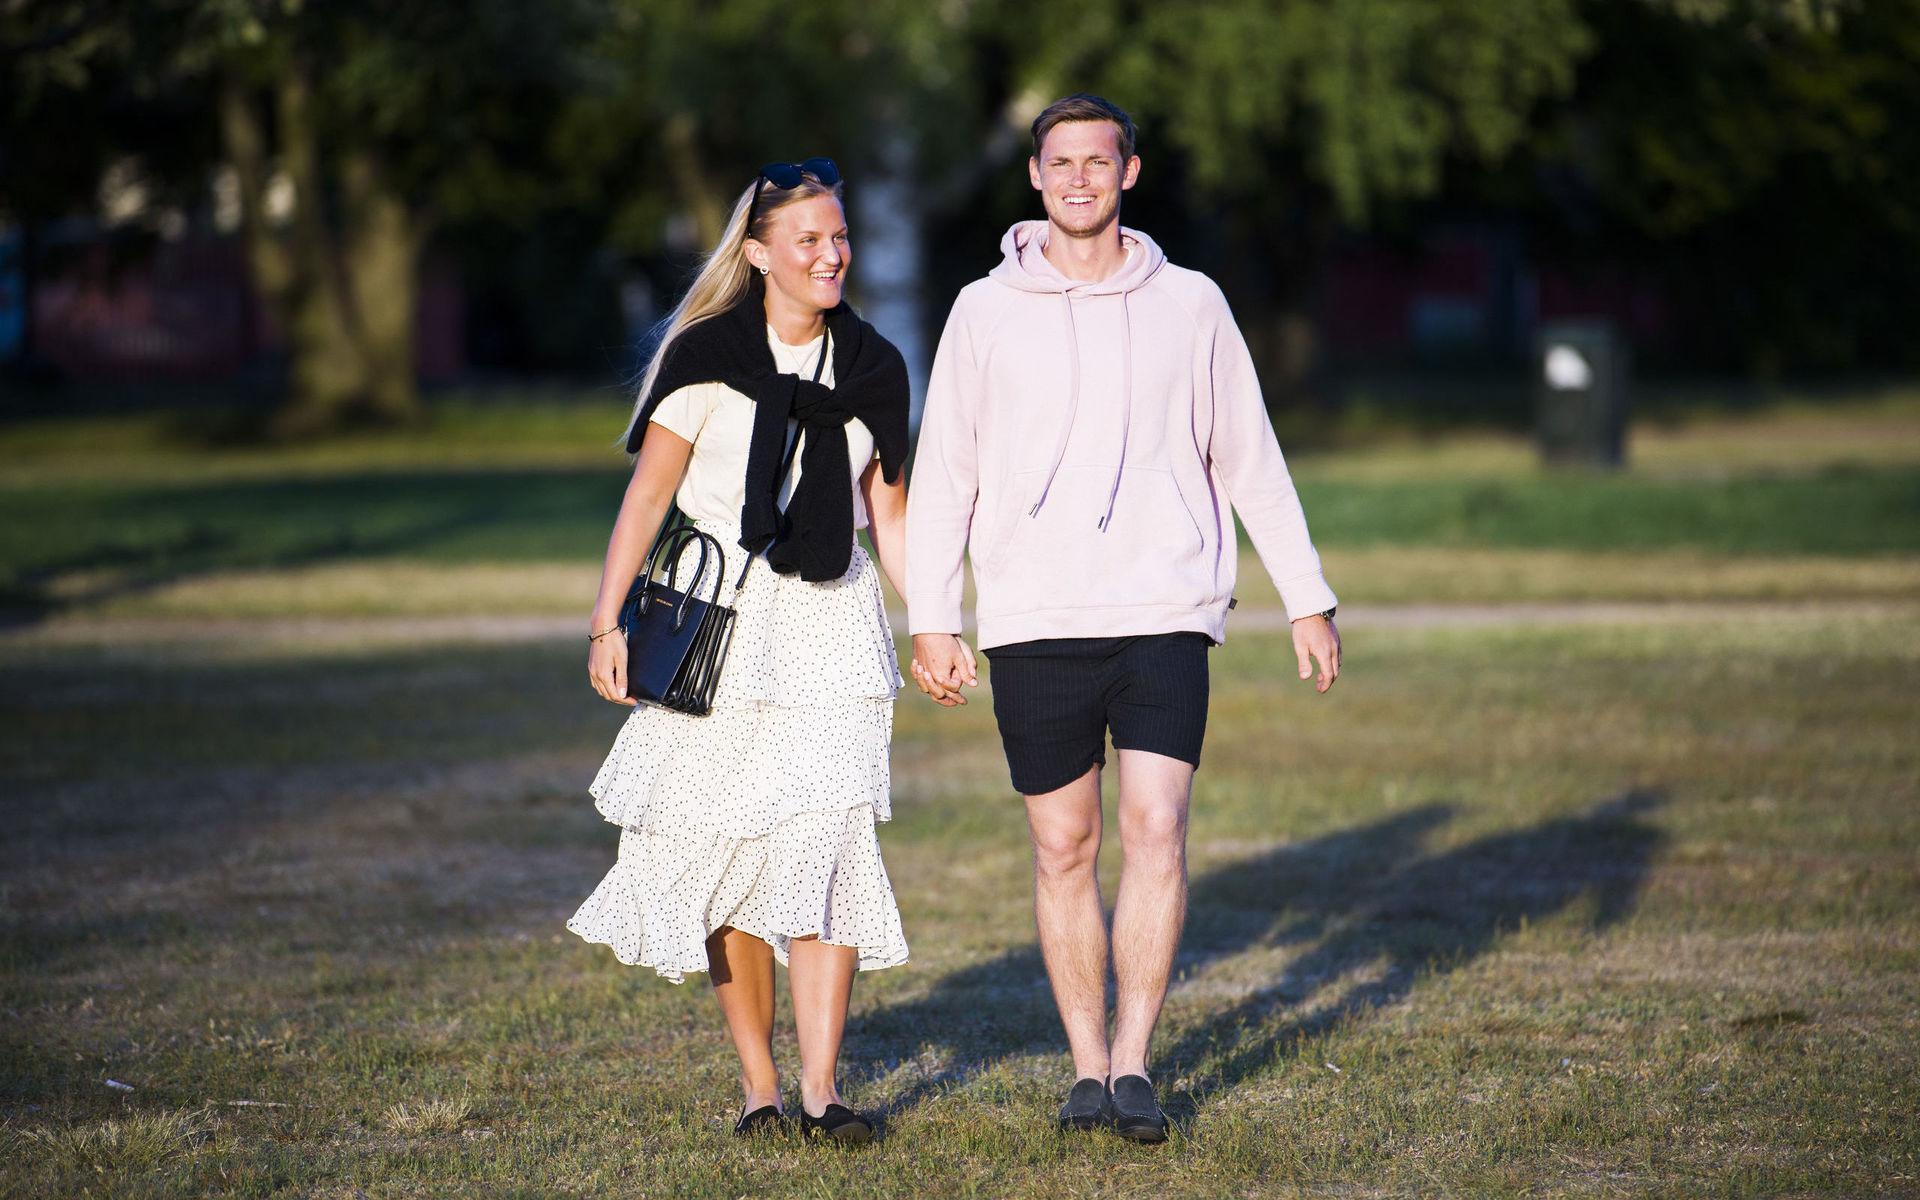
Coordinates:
756 255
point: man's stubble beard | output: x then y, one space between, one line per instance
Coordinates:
1112 219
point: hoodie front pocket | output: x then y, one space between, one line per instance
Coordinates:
1151 552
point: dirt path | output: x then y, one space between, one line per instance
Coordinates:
286 633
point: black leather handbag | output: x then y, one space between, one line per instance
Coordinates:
677 639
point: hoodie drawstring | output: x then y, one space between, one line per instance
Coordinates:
1073 407
1126 404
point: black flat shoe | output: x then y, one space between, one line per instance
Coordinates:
766 1119
839 1124
1136 1114
1087 1106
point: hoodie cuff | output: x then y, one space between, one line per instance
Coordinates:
1306 596
933 614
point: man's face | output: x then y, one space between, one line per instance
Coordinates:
1080 175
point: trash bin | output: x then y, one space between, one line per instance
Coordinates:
1583 393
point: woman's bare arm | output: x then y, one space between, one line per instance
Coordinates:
656 474
887 522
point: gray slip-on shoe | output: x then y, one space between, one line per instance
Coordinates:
1136 1114
1086 1106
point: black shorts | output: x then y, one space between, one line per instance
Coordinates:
1056 699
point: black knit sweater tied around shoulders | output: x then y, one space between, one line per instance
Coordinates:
814 536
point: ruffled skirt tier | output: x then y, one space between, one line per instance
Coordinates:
760 816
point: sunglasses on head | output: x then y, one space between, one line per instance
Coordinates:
785 175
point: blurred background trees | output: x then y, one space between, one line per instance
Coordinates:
500 186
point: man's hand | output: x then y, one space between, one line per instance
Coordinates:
1316 637
941 664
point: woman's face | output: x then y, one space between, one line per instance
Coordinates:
806 254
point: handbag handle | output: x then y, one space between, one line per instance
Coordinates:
674 522
675 545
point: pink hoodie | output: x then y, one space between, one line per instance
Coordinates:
1081 442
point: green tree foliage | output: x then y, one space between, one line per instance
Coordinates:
387 119
379 121
1365 100
1697 128
68 105
1771 152
1289 118
696 93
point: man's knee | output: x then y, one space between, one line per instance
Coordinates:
1065 850
1155 832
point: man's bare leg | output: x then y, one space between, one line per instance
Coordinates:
1065 825
1152 902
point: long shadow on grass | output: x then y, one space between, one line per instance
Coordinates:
1005 1006
1370 904
145 538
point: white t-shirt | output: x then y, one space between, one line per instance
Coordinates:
719 422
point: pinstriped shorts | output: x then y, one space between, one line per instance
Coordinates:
1056 700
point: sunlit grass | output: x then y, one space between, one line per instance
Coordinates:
532 427
1532 904
1523 910
427 1116
1365 577
135 1144
503 509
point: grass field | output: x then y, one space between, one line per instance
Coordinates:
1621 908
498 507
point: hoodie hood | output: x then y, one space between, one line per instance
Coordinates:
1024 266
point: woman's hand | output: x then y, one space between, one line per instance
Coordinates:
607 667
942 663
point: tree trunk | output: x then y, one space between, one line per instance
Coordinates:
381 259
329 374
692 182
889 266
1285 337
245 143
345 299
1291 355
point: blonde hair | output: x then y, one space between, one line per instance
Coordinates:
725 275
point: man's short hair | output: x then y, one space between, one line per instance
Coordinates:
1082 106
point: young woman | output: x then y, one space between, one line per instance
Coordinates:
748 835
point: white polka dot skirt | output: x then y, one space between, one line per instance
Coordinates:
760 816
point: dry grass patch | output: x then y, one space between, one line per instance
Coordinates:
423 1117
1422 575
356 588
137 1143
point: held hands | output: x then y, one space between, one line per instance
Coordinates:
941 664
607 666
1316 637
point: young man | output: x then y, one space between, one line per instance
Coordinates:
1092 412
